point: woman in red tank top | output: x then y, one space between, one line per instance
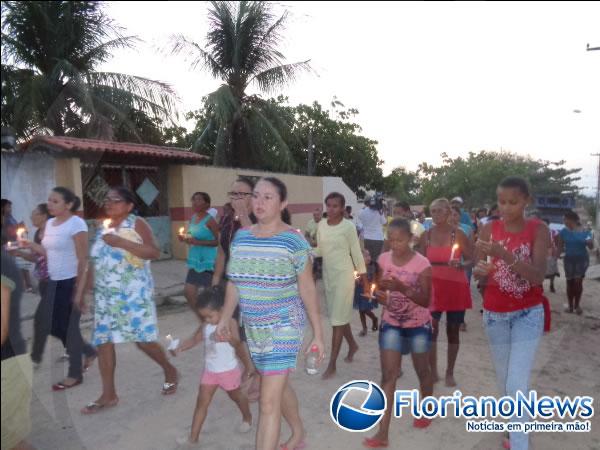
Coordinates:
444 245
511 256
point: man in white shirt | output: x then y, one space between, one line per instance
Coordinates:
372 221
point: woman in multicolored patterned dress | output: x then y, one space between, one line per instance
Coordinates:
123 288
270 275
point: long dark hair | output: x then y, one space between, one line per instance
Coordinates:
282 191
69 197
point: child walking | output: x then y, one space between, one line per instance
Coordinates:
221 367
404 289
364 305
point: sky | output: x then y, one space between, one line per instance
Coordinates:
426 77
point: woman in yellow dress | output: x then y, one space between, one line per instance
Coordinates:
338 244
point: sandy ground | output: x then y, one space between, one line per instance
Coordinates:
568 363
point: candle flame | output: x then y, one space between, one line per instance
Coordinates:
169 337
181 230
373 286
20 232
106 223
455 247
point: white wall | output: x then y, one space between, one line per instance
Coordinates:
336 184
26 181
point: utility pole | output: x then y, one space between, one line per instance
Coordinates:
598 201
589 49
311 149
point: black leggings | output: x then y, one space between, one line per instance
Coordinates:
56 316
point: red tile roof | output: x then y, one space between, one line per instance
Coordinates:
89 146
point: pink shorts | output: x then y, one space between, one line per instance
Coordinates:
228 381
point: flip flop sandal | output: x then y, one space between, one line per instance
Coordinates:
60 386
95 407
374 443
169 388
375 326
423 422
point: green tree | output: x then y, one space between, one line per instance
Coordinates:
242 49
338 148
476 177
403 185
50 53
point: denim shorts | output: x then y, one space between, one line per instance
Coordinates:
405 340
451 316
576 266
200 279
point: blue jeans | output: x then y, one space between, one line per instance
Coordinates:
514 339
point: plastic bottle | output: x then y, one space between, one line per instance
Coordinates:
312 361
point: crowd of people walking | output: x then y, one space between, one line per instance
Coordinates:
250 284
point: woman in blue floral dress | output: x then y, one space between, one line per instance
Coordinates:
123 289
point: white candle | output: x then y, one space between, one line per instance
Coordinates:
173 343
106 227
454 248
356 277
20 232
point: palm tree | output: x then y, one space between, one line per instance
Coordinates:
50 53
241 50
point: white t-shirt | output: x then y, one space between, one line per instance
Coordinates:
60 247
372 223
218 356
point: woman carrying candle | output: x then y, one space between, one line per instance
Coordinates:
449 252
513 301
123 286
338 244
202 237
42 319
65 245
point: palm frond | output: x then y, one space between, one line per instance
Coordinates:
276 77
224 104
196 55
266 140
157 95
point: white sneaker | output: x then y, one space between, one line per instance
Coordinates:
244 427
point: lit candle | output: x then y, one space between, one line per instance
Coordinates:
181 231
356 277
373 287
454 248
106 227
173 343
20 232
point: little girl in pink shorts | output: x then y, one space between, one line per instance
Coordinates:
221 366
